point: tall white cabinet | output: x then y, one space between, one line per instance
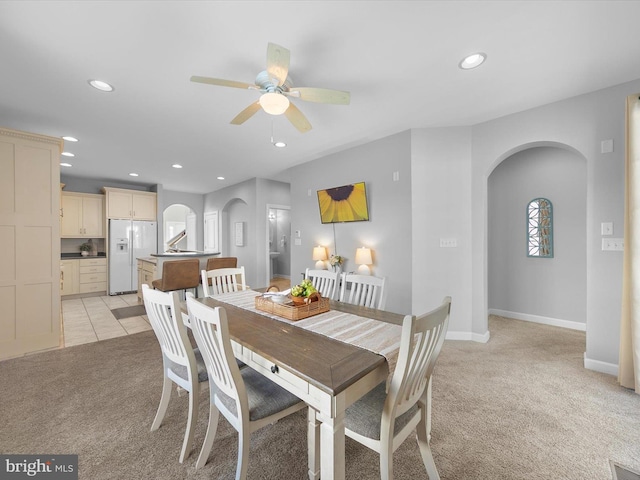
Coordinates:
29 242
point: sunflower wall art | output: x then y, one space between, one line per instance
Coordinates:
343 204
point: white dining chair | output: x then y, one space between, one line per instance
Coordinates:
363 290
181 364
325 281
382 421
223 280
246 398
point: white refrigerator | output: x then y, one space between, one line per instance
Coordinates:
128 240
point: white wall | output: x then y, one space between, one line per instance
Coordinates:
548 290
389 231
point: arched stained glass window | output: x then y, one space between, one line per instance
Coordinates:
540 228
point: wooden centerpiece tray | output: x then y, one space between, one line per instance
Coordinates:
292 311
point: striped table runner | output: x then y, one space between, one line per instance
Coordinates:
373 335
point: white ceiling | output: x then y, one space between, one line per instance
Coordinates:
398 59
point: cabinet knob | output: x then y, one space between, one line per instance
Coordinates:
274 369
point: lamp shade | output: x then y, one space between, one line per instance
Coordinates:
320 255
274 103
363 256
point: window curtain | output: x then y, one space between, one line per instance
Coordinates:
629 363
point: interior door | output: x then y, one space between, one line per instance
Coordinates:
211 232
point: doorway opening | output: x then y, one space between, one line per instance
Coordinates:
279 246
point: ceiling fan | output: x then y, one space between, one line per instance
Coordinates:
276 87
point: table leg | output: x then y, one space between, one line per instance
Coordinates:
313 444
332 446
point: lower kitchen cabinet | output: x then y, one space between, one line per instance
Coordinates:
86 275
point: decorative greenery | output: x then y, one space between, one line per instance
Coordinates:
85 247
336 260
304 289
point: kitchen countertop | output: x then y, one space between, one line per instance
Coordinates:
78 256
185 254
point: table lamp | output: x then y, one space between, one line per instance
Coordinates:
320 255
363 258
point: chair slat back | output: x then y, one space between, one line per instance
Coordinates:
363 290
163 311
211 332
324 281
420 344
223 280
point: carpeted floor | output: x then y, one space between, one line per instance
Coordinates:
519 407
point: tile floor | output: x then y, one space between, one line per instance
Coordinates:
89 319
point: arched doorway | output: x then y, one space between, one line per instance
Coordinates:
544 290
179 227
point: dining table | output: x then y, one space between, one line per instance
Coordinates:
327 373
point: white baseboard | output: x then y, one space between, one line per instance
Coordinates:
468 336
598 366
554 322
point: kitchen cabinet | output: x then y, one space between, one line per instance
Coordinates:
83 275
82 215
29 245
146 274
93 275
130 204
69 277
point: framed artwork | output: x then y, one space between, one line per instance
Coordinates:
239 234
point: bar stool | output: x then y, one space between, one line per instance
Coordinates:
179 275
221 262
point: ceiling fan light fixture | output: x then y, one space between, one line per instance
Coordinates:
472 61
274 103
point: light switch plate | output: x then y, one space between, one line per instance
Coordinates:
606 228
448 243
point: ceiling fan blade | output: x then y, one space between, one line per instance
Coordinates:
321 95
277 63
224 83
297 118
246 114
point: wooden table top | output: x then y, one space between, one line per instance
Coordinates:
328 364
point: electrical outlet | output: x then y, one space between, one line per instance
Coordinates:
613 244
448 243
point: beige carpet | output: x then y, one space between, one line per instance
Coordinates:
519 407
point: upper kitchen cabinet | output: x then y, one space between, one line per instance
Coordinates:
81 215
132 204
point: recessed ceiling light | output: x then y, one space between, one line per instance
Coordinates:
133 174
280 144
220 178
100 85
68 154
472 61
70 139
176 165
64 164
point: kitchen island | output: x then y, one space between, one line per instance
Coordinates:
150 268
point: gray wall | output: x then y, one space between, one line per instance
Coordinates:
388 233
581 124
546 287
94 185
247 202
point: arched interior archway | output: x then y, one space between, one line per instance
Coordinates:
544 290
177 218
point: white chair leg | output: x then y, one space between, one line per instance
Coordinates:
386 460
212 427
423 443
244 440
164 403
192 419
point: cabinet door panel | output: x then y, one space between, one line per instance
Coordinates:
144 207
119 205
71 220
92 217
